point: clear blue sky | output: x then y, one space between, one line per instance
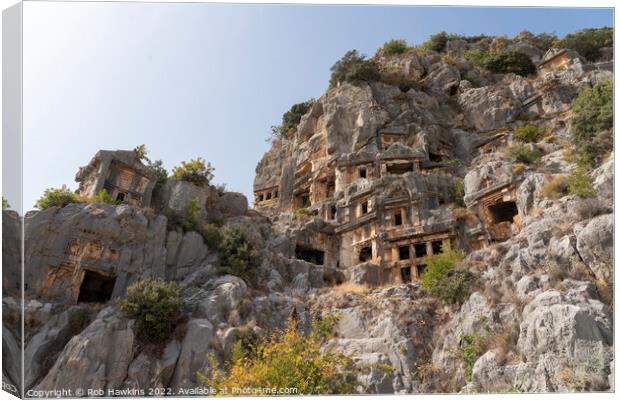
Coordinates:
207 80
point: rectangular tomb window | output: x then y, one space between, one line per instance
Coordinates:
420 269
362 172
268 196
436 245
96 288
333 211
120 196
399 168
398 219
405 273
365 254
260 198
420 250
403 252
275 194
364 208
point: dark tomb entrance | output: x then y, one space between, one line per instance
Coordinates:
503 212
310 255
96 288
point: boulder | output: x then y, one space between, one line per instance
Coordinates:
97 358
150 372
193 357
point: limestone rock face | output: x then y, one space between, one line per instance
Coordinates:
147 372
489 108
174 197
595 246
124 242
97 358
193 357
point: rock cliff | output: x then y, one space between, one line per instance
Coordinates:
349 206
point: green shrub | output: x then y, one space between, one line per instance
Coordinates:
544 41
188 221
510 62
301 213
442 279
5 203
472 77
291 118
592 122
195 171
436 42
477 57
529 133
580 184
156 306
556 187
405 84
58 197
588 42
104 197
522 153
155 167
287 360
472 346
238 256
457 192
212 235
354 67
395 47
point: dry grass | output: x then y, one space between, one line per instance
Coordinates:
351 288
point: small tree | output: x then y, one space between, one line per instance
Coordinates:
104 197
195 171
292 117
443 280
521 153
510 61
457 192
159 172
5 203
580 184
395 47
156 306
592 122
437 42
288 359
238 256
354 68
56 197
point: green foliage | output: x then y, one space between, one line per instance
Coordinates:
395 47
436 42
443 280
189 220
301 213
477 57
212 235
588 42
141 151
195 171
159 172
354 68
56 197
510 61
472 346
529 133
544 41
156 306
104 197
457 192
580 184
155 167
406 83
592 122
288 359
292 117
238 255
522 153
556 187
5 203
